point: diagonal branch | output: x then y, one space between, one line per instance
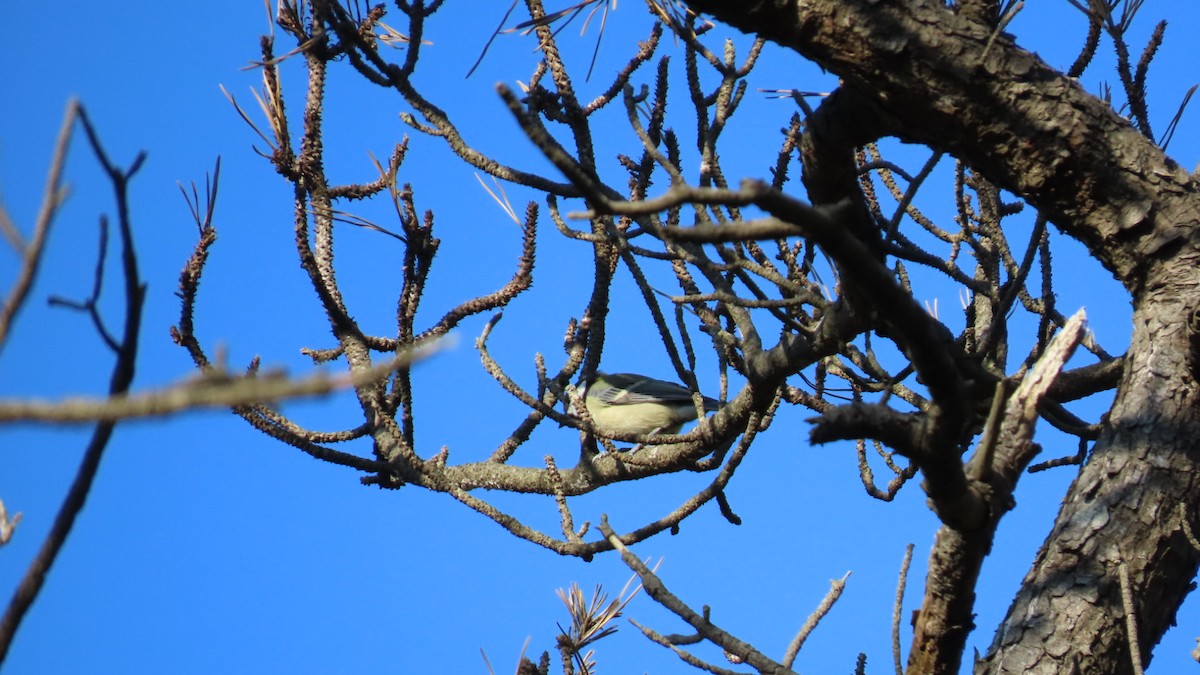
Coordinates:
31 253
658 591
946 617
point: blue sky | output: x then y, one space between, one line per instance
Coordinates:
207 547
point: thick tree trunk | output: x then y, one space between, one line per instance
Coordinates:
1128 507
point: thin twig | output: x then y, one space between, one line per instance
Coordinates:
898 608
8 526
31 254
215 390
658 591
810 624
1131 627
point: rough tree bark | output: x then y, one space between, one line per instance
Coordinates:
957 85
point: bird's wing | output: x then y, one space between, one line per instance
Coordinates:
627 388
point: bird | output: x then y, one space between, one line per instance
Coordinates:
628 403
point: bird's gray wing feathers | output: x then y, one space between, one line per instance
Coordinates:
627 388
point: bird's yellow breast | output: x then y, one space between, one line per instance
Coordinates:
639 418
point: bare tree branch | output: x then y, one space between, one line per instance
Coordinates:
31 253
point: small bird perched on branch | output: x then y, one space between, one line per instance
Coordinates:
636 404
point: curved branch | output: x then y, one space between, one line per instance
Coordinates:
1027 127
